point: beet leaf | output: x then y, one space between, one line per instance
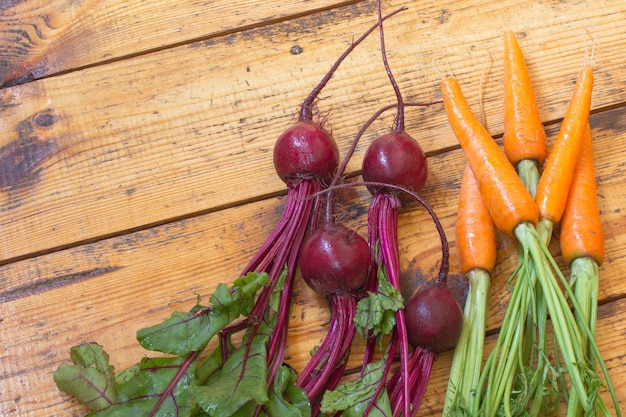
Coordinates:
183 332
91 379
353 398
375 314
229 381
286 400
241 379
139 394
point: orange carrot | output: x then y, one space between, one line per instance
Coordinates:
525 146
582 246
476 248
556 178
524 136
475 232
581 228
508 201
514 212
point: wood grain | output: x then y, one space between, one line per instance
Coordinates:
144 140
136 156
43 38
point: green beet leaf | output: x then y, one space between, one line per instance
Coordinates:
184 333
285 399
240 385
353 397
242 378
208 366
151 382
160 387
90 379
375 314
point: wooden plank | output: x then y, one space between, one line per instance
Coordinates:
39 39
106 290
144 140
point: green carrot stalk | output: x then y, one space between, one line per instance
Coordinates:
476 247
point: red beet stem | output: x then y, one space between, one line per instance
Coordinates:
322 371
393 345
420 364
306 112
280 251
388 237
399 123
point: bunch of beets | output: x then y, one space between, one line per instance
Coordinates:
359 277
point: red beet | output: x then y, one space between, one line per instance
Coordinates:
305 158
334 262
334 259
305 151
434 319
395 158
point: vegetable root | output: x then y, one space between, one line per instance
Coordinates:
476 243
538 268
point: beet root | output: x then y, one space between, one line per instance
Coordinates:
395 158
305 150
434 319
334 259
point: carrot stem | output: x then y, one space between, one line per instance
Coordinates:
528 171
466 365
584 280
476 243
567 329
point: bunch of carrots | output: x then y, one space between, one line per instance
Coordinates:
523 192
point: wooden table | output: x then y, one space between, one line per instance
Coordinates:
136 155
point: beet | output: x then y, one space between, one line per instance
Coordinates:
305 151
334 262
434 319
334 259
305 158
395 158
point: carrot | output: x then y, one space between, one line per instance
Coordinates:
581 228
476 243
582 247
525 146
524 136
509 203
475 232
558 172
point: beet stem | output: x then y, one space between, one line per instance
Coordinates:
372 282
342 168
388 224
393 345
445 251
306 112
170 387
420 363
320 373
399 123
279 251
